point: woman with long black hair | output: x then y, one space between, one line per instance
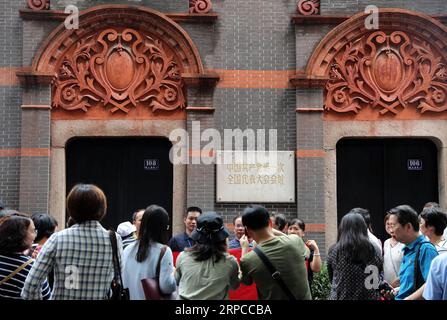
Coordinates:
206 271
355 265
141 257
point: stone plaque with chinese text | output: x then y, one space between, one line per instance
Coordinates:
251 176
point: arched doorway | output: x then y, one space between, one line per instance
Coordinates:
126 72
389 82
133 173
379 174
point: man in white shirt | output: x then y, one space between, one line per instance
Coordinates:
366 216
432 223
392 255
375 240
435 205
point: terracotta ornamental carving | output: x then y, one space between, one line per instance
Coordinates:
39 4
200 6
118 69
389 71
402 66
308 7
137 62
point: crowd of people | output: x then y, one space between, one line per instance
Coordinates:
268 257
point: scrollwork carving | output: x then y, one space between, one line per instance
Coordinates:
118 70
200 6
389 71
308 7
39 4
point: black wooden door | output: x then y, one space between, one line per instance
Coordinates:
133 173
379 174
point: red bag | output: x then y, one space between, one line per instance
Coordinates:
243 292
151 286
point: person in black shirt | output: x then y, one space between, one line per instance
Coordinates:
183 240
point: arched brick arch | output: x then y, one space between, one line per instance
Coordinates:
402 64
120 57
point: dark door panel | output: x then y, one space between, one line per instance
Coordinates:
420 186
375 174
117 165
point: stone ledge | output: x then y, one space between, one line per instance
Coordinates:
317 19
309 110
59 15
28 77
35 107
301 80
56 15
208 79
337 19
201 109
193 17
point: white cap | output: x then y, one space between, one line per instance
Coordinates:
126 228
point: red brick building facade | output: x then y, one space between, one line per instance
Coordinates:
362 105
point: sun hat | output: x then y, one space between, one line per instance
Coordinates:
210 229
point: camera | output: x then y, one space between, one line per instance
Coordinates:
385 286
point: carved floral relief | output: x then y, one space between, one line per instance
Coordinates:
308 7
118 70
39 4
389 71
200 6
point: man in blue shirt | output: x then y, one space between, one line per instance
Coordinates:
239 232
183 240
436 285
405 222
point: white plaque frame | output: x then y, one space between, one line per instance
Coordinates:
249 187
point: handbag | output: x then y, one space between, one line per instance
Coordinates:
118 292
151 286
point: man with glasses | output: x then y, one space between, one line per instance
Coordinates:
418 254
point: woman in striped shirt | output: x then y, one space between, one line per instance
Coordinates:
17 234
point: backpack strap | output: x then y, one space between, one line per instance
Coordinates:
12 274
275 273
418 278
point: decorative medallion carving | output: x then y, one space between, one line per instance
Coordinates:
200 6
39 4
389 70
308 7
118 70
